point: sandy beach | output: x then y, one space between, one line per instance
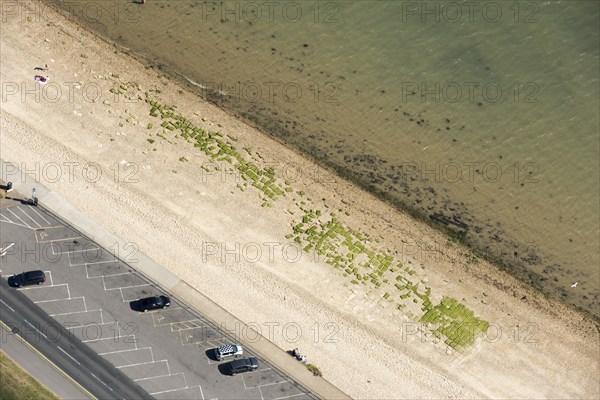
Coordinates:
88 134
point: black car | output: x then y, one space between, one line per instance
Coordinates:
153 303
36 277
243 365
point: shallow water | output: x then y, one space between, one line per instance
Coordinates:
482 115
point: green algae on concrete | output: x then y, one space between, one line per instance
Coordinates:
349 251
343 248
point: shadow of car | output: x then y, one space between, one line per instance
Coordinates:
27 278
150 303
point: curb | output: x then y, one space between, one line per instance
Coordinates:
220 317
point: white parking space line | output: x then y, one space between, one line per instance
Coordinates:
67 298
19 218
102 276
290 396
76 312
267 384
54 240
41 216
126 287
158 376
171 390
168 391
113 338
54 252
5 249
51 282
8 221
88 263
124 351
145 363
261 395
45 286
29 216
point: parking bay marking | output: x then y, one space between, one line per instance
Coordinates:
29 216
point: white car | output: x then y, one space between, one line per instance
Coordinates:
228 350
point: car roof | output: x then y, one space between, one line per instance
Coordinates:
33 274
229 347
239 362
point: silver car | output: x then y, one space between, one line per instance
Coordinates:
228 350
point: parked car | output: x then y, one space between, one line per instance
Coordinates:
27 278
228 350
243 365
153 303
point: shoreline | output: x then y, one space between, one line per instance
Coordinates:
429 358
517 268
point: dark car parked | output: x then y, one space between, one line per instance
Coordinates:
27 278
242 365
153 303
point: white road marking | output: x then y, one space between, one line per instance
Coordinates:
46 286
158 376
99 380
112 338
76 312
70 251
267 384
68 355
147 362
36 329
287 397
4 250
123 287
52 282
14 223
41 216
68 298
122 351
26 225
261 395
28 216
102 276
9 307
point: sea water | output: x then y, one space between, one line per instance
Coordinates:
481 117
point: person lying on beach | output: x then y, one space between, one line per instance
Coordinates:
41 68
41 79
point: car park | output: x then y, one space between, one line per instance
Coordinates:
36 277
153 303
228 350
242 365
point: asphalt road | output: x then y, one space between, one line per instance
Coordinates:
50 338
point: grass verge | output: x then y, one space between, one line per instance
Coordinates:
17 384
